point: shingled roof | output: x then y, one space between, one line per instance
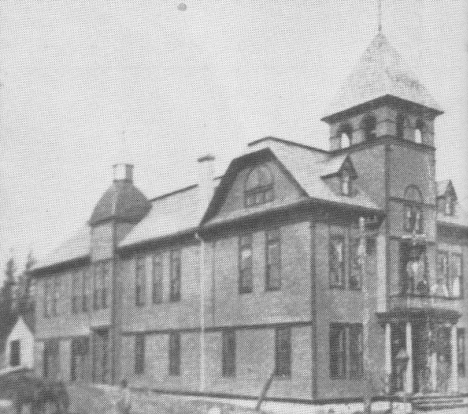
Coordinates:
380 72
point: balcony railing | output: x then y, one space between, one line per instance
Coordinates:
414 300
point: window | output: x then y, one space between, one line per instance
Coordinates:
175 276
157 278
258 187
356 366
345 134
77 283
229 353
369 125
355 268
418 132
346 340
48 298
79 358
456 273
87 289
413 216
461 351
449 205
400 126
273 260
345 183
51 359
15 353
245 264
105 284
139 353
443 282
337 351
336 261
56 295
140 281
283 352
174 353
97 286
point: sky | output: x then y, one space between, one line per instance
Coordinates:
182 83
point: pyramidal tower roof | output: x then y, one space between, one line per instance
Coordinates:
380 72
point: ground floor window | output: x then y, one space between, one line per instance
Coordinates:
174 353
79 358
461 351
346 351
229 353
15 353
283 352
139 353
101 360
51 360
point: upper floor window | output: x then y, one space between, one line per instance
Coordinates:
413 265
140 281
346 187
355 267
418 131
345 134
259 186
87 289
77 289
157 279
273 260
101 285
400 126
336 261
48 292
56 295
369 125
174 291
456 271
245 264
413 215
15 353
449 205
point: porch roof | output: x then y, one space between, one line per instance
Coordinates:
398 315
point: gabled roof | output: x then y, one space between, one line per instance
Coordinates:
380 72
76 247
335 165
458 219
444 186
305 165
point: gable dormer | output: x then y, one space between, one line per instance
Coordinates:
340 176
381 98
446 198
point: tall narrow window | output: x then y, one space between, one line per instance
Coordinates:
413 214
336 261
345 183
456 275
418 132
245 264
258 187
400 126
105 284
229 353
175 276
337 351
47 297
273 260
87 289
140 281
15 353
56 297
369 125
139 353
157 278
97 268
449 205
283 352
174 353
443 281
355 269
77 283
345 134
461 352
356 366
79 358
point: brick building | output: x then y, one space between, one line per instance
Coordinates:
214 287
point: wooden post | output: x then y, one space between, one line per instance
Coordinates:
265 389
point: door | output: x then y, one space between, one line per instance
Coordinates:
101 371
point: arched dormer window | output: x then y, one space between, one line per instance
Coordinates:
369 125
258 186
400 126
345 134
418 131
413 215
346 186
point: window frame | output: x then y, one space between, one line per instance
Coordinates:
265 191
175 275
272 239
356 351
57 287
157 279
338 354
139 353
76 300
283 352
453 277
245 270
15 353
228 353
140 280
174 349
332 281
353 249
461 352
369 121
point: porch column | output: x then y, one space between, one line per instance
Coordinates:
454 371
388 356
409 351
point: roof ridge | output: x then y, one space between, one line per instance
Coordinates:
179 190
287 142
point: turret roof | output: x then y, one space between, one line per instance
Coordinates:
380 72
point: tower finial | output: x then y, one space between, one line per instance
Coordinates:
379 5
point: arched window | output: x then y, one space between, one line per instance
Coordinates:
345 183
369 124
345 134
400 126
413 214
258 186
418 131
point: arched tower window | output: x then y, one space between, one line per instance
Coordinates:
413 214
369 124
418 131
400 126
258 186
345 134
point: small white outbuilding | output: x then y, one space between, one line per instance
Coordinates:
19 347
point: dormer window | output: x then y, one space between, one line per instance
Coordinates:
259 187
345 134
369 125
418 131
449 205
345 183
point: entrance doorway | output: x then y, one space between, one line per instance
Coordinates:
101 360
